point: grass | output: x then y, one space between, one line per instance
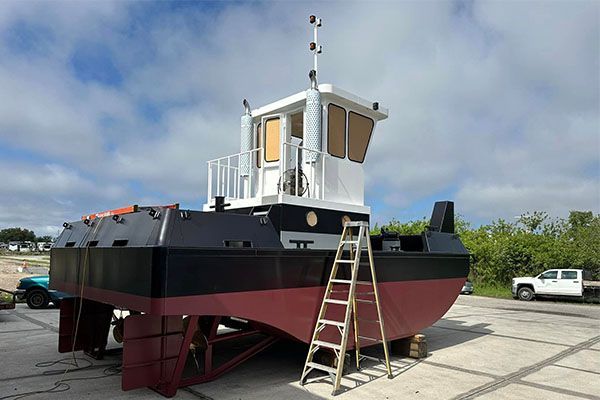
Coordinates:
5 297
490 290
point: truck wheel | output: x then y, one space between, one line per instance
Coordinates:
38 299
525 294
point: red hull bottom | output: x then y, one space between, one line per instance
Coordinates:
156 345
408 306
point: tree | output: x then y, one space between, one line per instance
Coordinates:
579 219
16 235
533 221
503 250
45 238
406 228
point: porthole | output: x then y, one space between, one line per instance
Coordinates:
311 218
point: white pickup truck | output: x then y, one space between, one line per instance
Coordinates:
556 282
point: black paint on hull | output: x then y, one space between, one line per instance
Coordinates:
159 272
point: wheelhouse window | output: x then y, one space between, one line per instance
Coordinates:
297 124
336 131
272 139
360 129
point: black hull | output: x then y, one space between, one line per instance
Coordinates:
161 272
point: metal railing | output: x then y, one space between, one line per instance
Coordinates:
315 169
237 176
225 175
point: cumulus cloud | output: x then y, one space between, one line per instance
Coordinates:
495 105
42 196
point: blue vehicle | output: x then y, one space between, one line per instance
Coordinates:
34 290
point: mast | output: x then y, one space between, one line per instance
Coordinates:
314 46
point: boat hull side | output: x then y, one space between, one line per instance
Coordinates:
408 306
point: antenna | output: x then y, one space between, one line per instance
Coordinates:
314 46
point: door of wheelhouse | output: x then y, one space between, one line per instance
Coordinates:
269 132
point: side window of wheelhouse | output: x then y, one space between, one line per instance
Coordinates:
336 131
272 140
258 144
360 129
297 124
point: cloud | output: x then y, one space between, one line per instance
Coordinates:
40 197
495 105
553 197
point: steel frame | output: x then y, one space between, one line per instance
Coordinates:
171 377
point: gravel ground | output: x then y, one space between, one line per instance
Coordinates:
11 265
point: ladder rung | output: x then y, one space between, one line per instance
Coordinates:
330 322
346 281
322 367
365 293
369 358
356 223
369 338
371 321
345 261
334 301
327 344
365 301
350 242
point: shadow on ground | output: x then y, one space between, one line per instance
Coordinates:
448 333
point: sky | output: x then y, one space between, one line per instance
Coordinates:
495 105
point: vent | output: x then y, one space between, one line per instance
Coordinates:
70 244
120 242
92 243
237 243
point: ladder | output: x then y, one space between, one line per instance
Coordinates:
351 310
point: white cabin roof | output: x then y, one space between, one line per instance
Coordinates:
327 90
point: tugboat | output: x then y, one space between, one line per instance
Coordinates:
257 257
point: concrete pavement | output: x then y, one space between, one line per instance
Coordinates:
482 348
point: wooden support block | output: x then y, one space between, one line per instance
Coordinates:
419 337
414 346
418 350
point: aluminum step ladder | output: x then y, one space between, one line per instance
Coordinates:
355 246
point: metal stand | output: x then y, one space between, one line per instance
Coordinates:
351 308
156 348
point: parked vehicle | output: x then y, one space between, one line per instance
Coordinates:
34 290
556 282
44 246
22 247
467 288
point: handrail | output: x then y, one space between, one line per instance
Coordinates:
238 177
306 148
234 155
324 156
240 187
